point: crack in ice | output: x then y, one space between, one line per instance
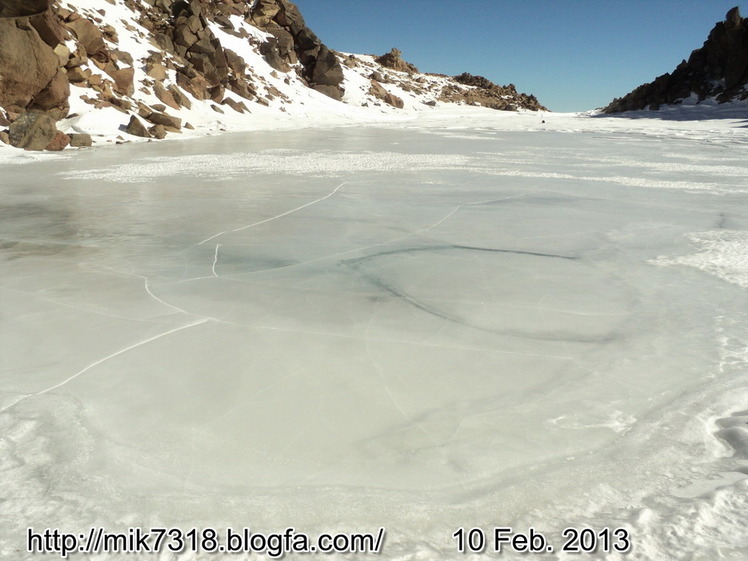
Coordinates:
215 260
101 361
358 249
314 202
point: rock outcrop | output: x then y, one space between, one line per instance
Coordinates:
391 78
394 60
295 42
30 75
719 69
485 93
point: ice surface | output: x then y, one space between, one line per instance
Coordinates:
421 328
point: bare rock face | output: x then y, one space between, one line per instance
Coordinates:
193 40
48 27
264 12
272 54
719 68
22 8
327 70
29 67
295 42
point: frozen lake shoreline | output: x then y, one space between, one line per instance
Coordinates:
420 327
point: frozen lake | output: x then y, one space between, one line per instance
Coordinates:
415 328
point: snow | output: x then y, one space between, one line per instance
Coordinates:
457 318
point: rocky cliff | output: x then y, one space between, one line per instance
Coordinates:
158 63
717 70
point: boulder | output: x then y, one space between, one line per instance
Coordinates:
289 16
241 88
77 58
237 106
202 63
179 96
330 91
264 11
194 24
184 37
59 142
136 128
392 99
88 35
155 70
165 96
224 22
204 47
78 75
27 65
32 131
164 119
122 57
80 140
63 54
217 93
235 62
123 80
197 86
307 47
377 90
477 81
49 28
157 131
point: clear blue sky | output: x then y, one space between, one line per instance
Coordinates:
573 55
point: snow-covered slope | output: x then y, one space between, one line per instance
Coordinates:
142 69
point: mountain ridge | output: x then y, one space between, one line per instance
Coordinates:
156 67
718 70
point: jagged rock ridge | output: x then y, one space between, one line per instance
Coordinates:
488 94
719 69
